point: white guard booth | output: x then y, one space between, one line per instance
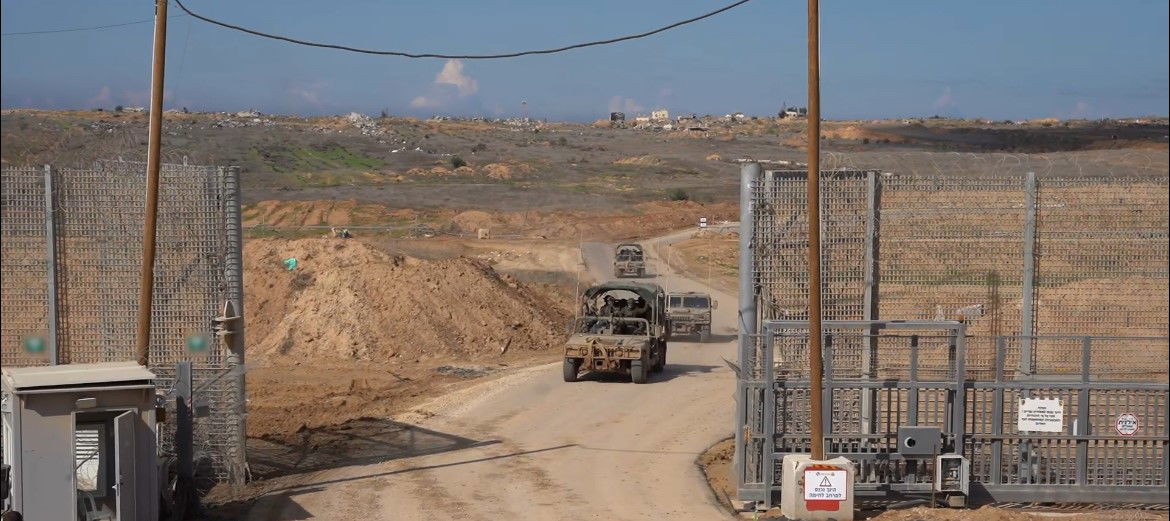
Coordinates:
81 441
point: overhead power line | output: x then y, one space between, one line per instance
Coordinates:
458 56
77 29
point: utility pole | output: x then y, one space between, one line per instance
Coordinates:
815 363
154 145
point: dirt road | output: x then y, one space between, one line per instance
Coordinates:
529 446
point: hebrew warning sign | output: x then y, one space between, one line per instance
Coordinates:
1040 415
825 485
1127 424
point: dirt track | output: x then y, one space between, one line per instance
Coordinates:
529 446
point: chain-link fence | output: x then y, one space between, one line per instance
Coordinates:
1011 252
86 280
1036 257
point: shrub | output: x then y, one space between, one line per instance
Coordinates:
457 162
678 194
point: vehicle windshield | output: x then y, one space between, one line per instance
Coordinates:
597 325
629 255
690 302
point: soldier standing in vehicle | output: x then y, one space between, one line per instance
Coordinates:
607 309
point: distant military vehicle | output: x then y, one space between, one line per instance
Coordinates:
621 328
689 313
629 260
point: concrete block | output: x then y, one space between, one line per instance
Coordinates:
816 490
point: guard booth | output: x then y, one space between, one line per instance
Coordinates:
80 439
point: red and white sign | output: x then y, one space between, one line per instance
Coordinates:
1127 424
825 485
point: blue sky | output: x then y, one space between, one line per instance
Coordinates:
988 58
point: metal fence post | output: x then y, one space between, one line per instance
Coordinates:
749 175
51 266
1083 405
234 279
997 414
870 302
184 430
1028 291
912 392
959 411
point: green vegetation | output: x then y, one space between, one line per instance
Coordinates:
457 162
331 156
678 194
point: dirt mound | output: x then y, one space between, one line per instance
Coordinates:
506 170
472 220
640 160
348 301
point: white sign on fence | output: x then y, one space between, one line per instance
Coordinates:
1040 415
1127 424
702 222
825 485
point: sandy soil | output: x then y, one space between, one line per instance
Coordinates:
366 333
525 446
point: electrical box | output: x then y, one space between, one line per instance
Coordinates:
919 442
952 476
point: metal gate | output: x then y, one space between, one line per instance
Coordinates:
71 255
976 266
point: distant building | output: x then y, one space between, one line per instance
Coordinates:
794 112
642 119
134 109
617 116
660 115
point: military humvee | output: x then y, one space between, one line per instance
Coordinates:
690 313
621 328
629 260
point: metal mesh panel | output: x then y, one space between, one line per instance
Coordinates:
781 258
948 242
24 289
1103 260
1070 292
99 253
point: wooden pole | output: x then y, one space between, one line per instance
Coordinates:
816 364
154 145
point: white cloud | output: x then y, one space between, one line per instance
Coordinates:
451 85
627 105
423 102
452 74
312 93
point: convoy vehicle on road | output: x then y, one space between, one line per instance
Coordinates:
689 313
621 328
629 260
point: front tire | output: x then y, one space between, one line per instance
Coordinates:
637 372
704 334
658 367
571 368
